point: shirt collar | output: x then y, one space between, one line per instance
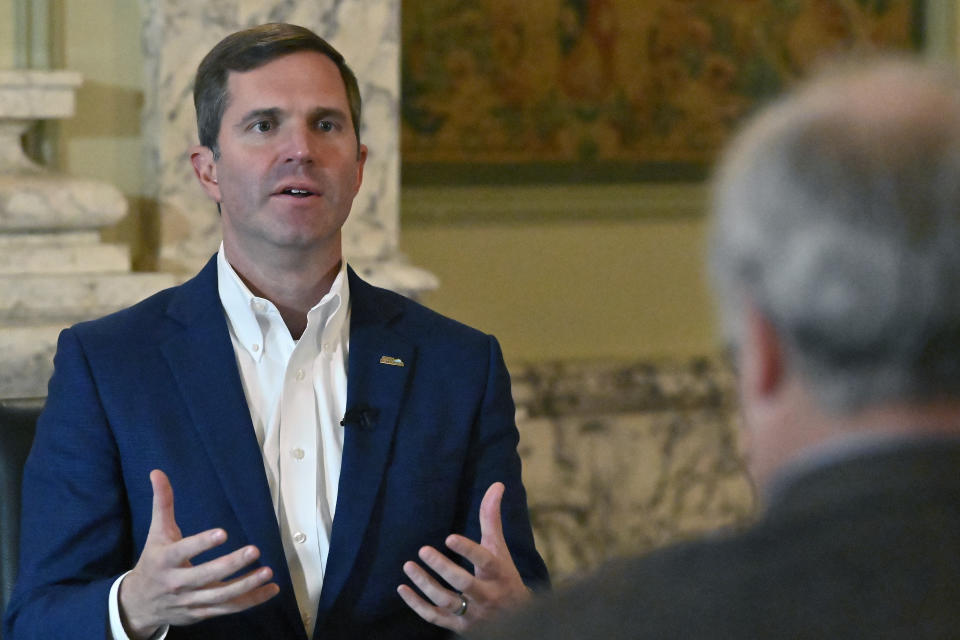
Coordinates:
249 315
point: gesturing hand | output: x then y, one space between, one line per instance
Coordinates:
164 588
494 586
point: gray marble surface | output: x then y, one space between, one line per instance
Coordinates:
49 202
63 259
27 357
623 458
38 298
37 95
34 308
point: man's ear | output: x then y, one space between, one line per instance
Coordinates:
762 355
361 161
205 168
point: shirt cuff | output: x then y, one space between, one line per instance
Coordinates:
117 631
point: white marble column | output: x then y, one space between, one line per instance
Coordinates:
178 33
54 270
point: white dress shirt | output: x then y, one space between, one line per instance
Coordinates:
296 391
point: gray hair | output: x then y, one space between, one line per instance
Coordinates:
837 216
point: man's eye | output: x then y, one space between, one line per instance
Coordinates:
262 126
325 125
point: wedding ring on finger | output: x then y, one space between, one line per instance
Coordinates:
462 609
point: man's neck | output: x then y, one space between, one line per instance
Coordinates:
293 286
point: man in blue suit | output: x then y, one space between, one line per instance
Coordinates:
319 432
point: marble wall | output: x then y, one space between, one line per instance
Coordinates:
54 269
622 458
176 36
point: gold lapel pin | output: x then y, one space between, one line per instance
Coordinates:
393 362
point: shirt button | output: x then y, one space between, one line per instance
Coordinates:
307 618
301 374
298 453
258 305
255 348
299 537
326 347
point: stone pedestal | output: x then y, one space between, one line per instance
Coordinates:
54 270
178 33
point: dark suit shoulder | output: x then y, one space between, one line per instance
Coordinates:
407 316
692 590
151 319
121 320
125 335
863 564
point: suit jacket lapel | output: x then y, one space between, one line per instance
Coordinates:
366 448
204 366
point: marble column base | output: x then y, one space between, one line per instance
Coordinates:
62 259
396 274
34 308
29 299
27 357
54 269
49 202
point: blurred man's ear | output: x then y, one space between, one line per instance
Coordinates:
761 378
761 357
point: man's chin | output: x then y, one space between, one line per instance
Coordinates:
304 240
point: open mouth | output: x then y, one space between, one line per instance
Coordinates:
297 193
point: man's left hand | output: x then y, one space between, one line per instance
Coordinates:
494 586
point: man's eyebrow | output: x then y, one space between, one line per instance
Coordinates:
328 112
272 113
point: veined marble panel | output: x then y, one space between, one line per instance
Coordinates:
36 239
32 95
178 33
586 389
396 274
29 299
622 458
66 259
27 357
47 201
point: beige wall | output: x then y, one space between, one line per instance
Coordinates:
101 40
6 34
572 289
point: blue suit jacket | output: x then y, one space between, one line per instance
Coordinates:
157 386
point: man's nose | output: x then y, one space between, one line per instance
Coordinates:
299 145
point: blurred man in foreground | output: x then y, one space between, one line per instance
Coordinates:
836 259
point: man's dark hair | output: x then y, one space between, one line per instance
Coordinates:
249 49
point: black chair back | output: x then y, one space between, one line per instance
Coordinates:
17 424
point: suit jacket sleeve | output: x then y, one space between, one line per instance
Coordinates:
75 523
493 458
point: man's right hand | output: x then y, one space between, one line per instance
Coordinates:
164 588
